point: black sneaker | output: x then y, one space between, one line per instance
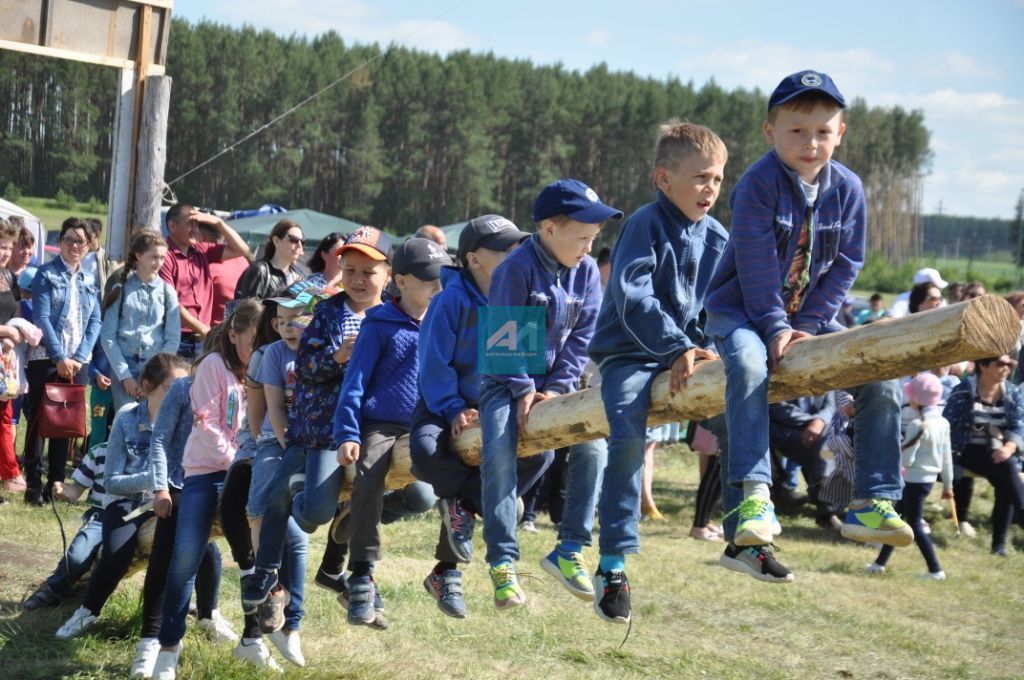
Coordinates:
337 585
611 596
35 497
256 589
756 561
44 597
270 614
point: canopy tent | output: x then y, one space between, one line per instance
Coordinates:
315 225
451 235
35 224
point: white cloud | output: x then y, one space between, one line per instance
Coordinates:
599 37
950 64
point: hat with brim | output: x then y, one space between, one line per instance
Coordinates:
369 241
573 199
421 258
287 302
492 232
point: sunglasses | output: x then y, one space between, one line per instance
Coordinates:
295 239
68 241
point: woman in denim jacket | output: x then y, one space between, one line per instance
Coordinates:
128 479
66 308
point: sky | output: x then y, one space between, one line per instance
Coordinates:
961 63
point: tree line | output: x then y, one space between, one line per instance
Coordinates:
413 137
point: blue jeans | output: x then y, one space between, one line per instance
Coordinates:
293 574
81 554
264 469
498 470
135 366
584 472
197 508
190 346
626 392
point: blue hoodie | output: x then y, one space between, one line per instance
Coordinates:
662 263
449 376
530 276
382 379
768 206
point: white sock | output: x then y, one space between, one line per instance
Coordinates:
247 572
858 502
334 577
759 489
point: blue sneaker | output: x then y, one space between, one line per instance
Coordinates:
365 605
446 588
256 589
459 525
570 570
878 522
758 524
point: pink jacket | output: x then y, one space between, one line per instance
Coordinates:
218 405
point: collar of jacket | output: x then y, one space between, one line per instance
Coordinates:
675 214
828 180
547 260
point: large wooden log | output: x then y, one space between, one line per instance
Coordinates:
891 348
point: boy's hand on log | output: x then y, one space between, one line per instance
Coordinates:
685 366
780 344
464 420
348 453
524 404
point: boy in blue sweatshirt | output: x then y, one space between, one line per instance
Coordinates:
809 211
449 396
551 270
661 264
380 390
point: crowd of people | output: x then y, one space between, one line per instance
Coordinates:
247 392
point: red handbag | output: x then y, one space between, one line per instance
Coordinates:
62 411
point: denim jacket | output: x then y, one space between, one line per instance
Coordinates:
959 412
170 432
141 323
50 289
128 473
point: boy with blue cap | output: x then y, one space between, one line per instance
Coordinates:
553 271
807 210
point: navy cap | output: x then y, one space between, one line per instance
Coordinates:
493 232
420 257
575 200
805 81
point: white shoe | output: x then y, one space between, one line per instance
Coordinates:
934 576
217 628
79 621
287 642
255 652
875 568
967 531
529 526
146 651
166 666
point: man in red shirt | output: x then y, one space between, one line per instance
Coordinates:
187 268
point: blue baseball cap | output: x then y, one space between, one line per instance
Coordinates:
575 200
805 81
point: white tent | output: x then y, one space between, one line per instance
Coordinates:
31 221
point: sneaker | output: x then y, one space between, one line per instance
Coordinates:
287 642
756 561
380 621
336 584
146 651
44 597
613 606
362 593
529 526
878 523
569 570
934 576
446 588
270 614
758 524
256 589
829 522
341 529
34 497
459 525
875 568
507 593
1000 550
967 531
217 628
79 621
166 666
255 652
296 483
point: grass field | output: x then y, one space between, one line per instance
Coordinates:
692 618
52 216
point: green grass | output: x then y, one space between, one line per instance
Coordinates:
692 618
52 216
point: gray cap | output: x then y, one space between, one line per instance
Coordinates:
420 257
493 232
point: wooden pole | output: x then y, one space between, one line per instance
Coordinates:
151 152
142 61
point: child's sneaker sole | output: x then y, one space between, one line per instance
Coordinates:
743 563
551 568
896 538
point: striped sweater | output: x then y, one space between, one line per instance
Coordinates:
89 475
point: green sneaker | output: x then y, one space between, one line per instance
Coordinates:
758 524
571 572
878 522
507 593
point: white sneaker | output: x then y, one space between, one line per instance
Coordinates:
967 531
166 666
79 621
217 628
875 568
287 642
528 526
255 651
146 651
934 576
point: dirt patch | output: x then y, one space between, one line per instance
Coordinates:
18 557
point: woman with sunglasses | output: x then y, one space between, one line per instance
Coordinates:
66 308
986 417
279 267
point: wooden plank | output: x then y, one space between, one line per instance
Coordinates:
153 70
151 152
